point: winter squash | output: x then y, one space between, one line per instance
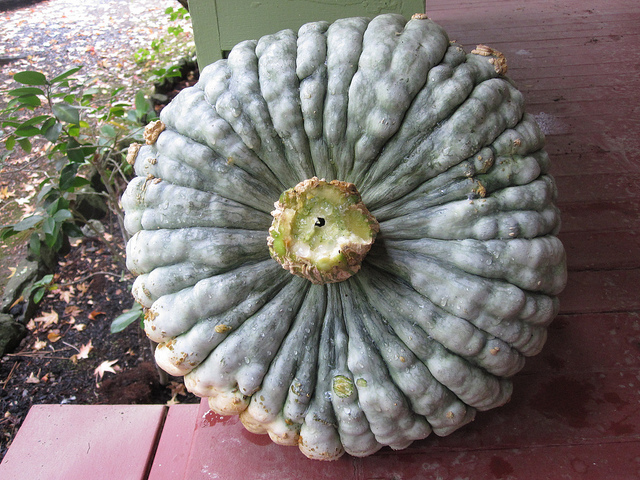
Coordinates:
414 217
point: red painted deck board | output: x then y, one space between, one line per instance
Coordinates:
598 187
601 162
601 291
97 442
617 249
553 425
575 410
592 217
591 462
593 343
172 454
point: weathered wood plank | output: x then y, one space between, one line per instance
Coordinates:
97 442
575 8
224 449
614 162
593 216
601 291
574 403
547 30
172 455
589 343
592 146
600 250
584 462
578 413
598 187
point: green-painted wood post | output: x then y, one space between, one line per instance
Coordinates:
220 24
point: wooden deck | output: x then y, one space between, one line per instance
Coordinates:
575 413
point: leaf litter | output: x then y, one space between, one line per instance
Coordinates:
69 355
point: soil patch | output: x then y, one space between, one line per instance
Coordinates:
69 355
49 366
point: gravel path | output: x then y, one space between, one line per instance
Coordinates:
102 35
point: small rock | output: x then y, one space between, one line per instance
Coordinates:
11 334
26 272
92 226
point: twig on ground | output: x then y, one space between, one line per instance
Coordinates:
87 277
13 368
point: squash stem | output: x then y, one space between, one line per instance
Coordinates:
321 230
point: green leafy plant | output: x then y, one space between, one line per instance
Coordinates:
88 132
41 287
125 319
159 59
177 14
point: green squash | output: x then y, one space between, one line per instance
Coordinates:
414 217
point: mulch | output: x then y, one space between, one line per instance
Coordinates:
69 355
46 369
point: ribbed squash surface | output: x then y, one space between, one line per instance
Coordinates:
457 289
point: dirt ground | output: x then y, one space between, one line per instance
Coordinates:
69 355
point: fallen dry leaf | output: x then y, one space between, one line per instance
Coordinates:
53 336
79 327
104 367
47 319
66 296
28 209
32 378
177 388
84 350
94 314
72 311
39 345
5 194
20 298
23 201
